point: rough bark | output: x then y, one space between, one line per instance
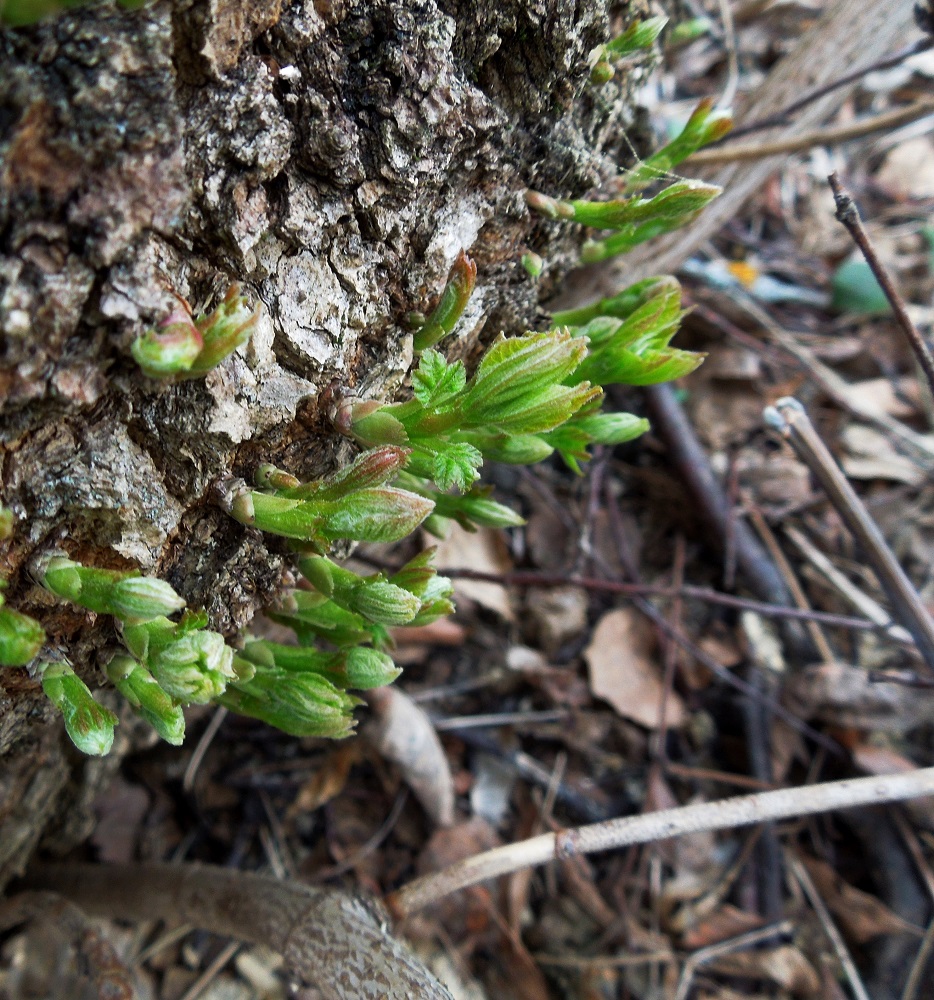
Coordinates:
333 156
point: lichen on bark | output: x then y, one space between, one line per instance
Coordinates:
333 157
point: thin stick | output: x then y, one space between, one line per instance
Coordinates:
528 578
781 117
671 423
830 928
726 814
848 214
704 955
788 417
797 591
807 140
845 587
913 983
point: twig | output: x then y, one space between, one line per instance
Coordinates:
848 214
726 814
781 117
671 423
732 61
913 983
492 719
845 587
529 578
917 446
211 972
807 140
830 928
669 631
704 955
790 420
207 738
784 567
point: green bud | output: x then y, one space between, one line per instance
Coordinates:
639 35
385 603
365 668
620 306
7 520
319 571
372 468
192 665
689 30
268 477
373 597
59 574
551 208
454 299
297 703
21 637
171 348
369 423
375 515
670 209
516 370
147 699
143 597
231 324
518 449
416 575
533 264
312 615
601 72
122 593
90 725
703 127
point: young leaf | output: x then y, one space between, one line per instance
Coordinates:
435 381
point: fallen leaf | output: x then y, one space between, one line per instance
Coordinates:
483 551
908 171
559 614
403 734
725 922
121 810
843 695
861 915
624 672
328 780
784 965
879 396
873 456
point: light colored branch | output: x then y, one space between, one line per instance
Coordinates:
738 153
723 815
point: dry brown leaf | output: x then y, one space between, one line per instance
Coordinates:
624 672
483 551
403 734
559 614
908 171
873 456
843 695
861 915
882 396
784 965
328 780
725 922
121 810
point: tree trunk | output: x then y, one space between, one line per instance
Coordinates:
332 156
